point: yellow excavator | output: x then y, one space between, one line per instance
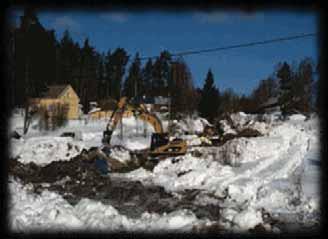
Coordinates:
161 145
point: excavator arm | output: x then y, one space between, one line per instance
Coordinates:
139 111
160 144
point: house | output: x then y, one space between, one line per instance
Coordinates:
271 105
58 95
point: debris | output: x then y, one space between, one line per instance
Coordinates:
15 135
68 134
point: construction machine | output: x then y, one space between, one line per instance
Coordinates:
161 145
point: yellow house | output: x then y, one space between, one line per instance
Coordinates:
63 95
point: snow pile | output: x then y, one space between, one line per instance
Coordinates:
190 125
50 212
121 155
247 219
239 121
269 174
45 149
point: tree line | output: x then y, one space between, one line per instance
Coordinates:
37 59
292 88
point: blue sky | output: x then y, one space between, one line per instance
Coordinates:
149 32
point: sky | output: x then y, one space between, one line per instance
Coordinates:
150 32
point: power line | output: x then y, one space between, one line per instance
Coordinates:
194 52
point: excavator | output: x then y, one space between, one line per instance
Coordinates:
161 146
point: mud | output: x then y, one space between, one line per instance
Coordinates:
78 178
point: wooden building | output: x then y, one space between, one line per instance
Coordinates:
58 95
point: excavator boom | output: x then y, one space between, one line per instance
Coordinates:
160 143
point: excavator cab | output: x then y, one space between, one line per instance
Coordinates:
158 139
161 146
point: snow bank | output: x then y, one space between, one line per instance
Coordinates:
247 219
31 212
240 121
45 149
50 212
253 173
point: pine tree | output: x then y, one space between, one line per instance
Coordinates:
116 68
181 88
284 75
107 74
100 76
133 86
147 78
35 57
210 99
161 74
302 86
88 84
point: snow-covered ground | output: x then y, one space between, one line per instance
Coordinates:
277 172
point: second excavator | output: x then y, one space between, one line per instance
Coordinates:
161 145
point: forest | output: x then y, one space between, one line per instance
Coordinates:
36 59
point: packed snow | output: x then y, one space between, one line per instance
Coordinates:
277 172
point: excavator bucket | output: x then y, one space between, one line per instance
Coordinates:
107 135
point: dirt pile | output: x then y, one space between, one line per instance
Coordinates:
78 178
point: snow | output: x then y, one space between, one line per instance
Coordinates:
94 110
248 218
50 212
278 172
45 149
245 168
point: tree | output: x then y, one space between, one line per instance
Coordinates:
302 86
147 78
284 75
133 85
68 61
88 75
210 99
116 64
100 76
266 90
161 74
229 102
181 88
34 58
107 74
